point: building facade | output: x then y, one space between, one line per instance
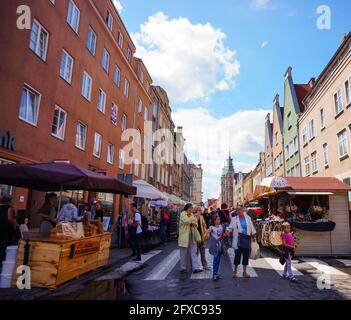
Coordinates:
186 180
268 146
278 143
227 183
325 126
196 188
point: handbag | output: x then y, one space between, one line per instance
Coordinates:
255 251
196 236
275 237
215 247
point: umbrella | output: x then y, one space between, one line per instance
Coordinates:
275 183
60 176
147 191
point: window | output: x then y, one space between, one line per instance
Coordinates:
314 162
288 173
325 154
140 106
66 66
29 108
102 101
296 145
287 153
126 88
141 77
120 40
73 16
129 55
276 137
143 171
297 170
91 42
86 86
59 123
146 114
342 143
147 86
307 166
97 145
121 159
136 167
52 1
138 137
291 148
39 38
114 114
109 20
321 111
311 129
304 136
348 90
117 76
289 120
338 102
81 135
110 153
124 122
292 172
105 60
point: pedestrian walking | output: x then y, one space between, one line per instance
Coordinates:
288 251
216 245
224 216
69 212
164 226
243 231
135 231
202 228
187 245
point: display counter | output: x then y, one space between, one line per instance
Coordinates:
55 261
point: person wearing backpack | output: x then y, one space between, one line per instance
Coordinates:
136 231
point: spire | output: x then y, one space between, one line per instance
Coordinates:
230 162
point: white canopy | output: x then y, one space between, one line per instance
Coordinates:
147 191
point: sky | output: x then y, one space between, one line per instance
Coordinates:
223 62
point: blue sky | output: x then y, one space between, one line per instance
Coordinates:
259 39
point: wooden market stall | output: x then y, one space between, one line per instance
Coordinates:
317 208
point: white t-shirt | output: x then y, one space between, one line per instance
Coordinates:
137 218
216 231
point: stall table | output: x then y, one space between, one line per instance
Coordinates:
55 261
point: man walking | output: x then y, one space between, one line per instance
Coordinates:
135 231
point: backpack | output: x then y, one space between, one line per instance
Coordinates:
144 224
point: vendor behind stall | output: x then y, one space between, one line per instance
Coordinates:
48 213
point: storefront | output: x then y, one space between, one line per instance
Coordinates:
317 209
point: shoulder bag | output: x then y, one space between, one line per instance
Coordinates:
275 237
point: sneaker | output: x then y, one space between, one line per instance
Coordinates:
293 279
198 271
285 276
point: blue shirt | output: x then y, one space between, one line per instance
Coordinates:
243 225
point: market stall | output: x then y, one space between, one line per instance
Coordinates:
317 209
72 249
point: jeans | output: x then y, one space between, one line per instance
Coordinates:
216 263
135 242
287 269
241 252
163 230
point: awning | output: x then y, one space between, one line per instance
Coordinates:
310 193
147 191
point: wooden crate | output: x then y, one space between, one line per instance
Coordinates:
54 262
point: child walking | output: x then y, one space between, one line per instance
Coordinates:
289 249
215 248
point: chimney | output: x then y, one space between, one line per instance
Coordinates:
312 82
343 38
276 99
288 73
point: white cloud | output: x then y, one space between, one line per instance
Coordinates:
264 44
209 139
118 5
259 4
189 60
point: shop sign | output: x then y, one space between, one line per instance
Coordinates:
7 141
84 248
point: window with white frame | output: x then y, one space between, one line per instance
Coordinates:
289 120
97 145
114 114
102 101
117 76
140 106
143 171
138 137
66 66
292 172
307 166
110 153
342 143
124 122
321 112
287 152
86 86
73 16
81 134
338 102
296 145
304 136
325 154
121 159
105 60
126 88
141 77
348 90
291 148
129 55
311 129
109 20
288 173
314 162
29 108
136 167
91 41
297 170
59 123
53 2
120 40
39 39
146 114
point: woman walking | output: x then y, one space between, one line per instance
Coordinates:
202 228
243 232
187 245
216 244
